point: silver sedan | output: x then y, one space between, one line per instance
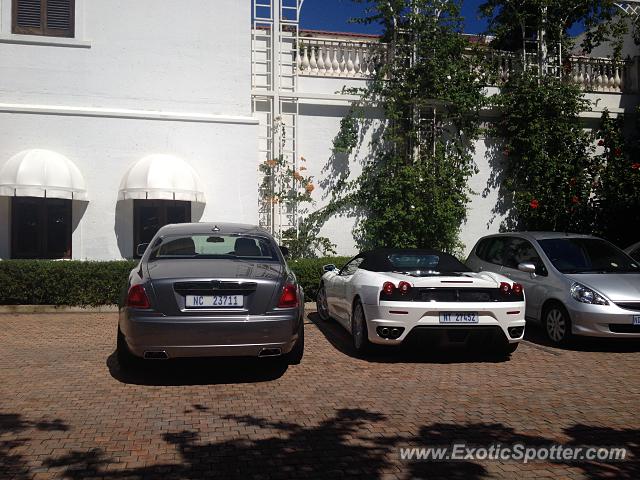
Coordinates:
211 290
574 284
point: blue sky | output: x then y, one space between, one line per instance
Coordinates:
333 15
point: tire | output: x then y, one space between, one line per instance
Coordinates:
557 324
321 304
126 359
294 357
359 331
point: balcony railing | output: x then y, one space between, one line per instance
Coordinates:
320 57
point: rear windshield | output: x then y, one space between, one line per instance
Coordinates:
214 246
440 263
587 255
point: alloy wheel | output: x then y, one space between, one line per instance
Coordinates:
556 325
321 304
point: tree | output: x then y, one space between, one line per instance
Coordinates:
616 185
513 23
413 187
546 154
549 173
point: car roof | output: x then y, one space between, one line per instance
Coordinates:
541 235
206 228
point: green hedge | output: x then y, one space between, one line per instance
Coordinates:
309 270
47 282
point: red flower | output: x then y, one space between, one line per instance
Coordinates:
635 166
572 181
601 143
575 199
617 151
534 204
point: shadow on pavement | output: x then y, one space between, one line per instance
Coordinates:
198 371
352 443
409 353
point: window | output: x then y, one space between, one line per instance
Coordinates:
52 18
587 255
150 215
517 251
213 246
351 267
490 250
40 228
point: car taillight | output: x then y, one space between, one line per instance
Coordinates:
388 288
404 287
505 288
517 289
137 297
289 297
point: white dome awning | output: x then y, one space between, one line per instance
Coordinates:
161 177
42 173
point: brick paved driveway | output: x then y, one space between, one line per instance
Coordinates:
67 411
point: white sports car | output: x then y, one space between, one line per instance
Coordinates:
387 296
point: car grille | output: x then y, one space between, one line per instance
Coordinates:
203 288
630 306
624 328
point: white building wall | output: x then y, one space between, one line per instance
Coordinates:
140 78
167 55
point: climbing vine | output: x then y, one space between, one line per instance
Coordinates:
413 189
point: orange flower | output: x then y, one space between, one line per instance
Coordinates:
309 187
297 175
303 168
271 163
302 159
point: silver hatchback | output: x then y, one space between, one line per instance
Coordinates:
202 289
574 284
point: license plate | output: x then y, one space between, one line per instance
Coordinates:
636 319
458 317
215 301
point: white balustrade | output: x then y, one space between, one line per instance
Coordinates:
338 58
600 74
322 57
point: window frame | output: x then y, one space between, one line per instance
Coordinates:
43 240
43 30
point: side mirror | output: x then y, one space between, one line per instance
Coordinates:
527 267
284 250
141 248
329 268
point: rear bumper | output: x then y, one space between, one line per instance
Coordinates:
425 317
209 337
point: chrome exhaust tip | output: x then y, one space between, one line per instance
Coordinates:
384 332
270 352
156 355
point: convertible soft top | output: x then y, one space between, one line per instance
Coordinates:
387 260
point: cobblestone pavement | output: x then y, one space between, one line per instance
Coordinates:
67 411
